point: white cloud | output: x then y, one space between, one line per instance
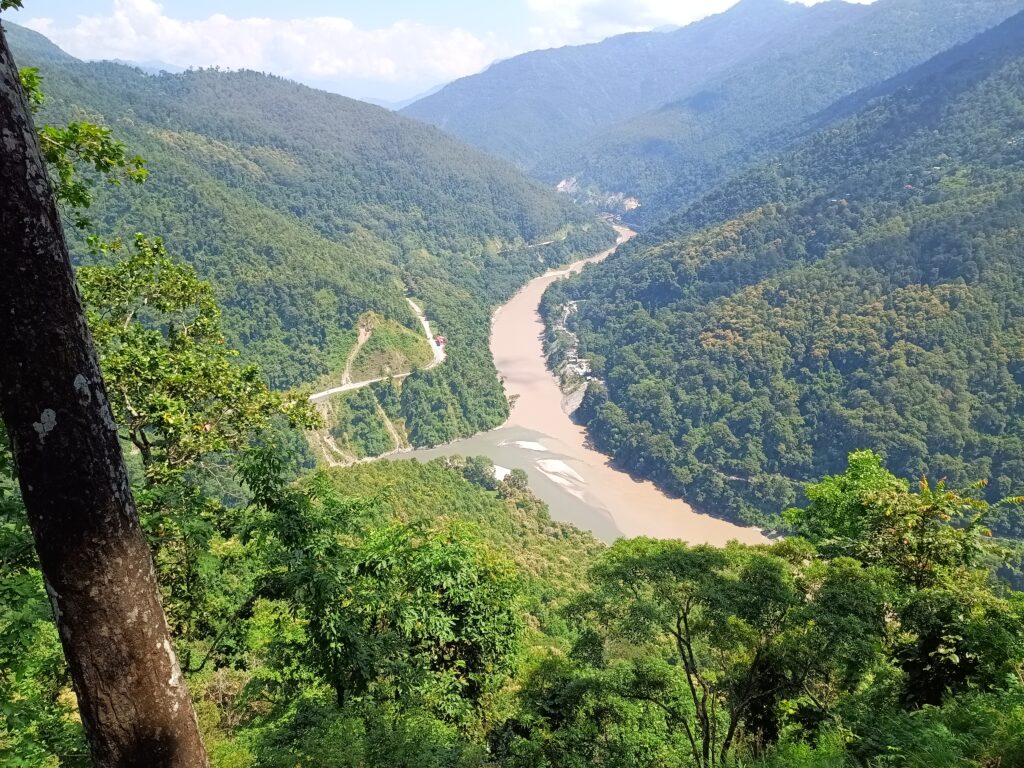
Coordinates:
563 22
311 49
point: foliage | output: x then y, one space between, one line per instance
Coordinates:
781 655
357 425
837 512
928 546
79 143
869 514
570 716
78 146
976 730
176 393
31 83
36 713
747 628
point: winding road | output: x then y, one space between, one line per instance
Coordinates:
348 386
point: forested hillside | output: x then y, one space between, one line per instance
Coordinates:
737 105
533 107
306 210
862 291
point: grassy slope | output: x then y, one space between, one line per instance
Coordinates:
392 349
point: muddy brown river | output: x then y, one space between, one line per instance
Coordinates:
578 483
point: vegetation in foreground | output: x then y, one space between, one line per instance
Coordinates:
400 613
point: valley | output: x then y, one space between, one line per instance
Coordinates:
579 484
649 396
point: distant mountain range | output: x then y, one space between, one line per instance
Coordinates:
660 117
531 107
152 67
156 67
403 103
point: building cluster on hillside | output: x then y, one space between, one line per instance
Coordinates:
574 364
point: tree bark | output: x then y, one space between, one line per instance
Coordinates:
96 565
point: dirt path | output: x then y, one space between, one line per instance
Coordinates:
437 349
390 427
364 336
328 447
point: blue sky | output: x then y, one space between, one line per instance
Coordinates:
388 49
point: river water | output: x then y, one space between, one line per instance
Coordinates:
578 483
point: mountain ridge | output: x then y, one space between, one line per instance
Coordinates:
612 68
755 98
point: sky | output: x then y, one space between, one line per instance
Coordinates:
384 49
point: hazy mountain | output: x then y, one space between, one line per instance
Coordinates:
661 117
671 155
402 103
152 67
530 107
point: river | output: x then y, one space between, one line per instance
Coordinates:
578 483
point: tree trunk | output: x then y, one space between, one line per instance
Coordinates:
96 565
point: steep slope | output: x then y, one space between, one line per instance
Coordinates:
307 210
864 290
532 107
